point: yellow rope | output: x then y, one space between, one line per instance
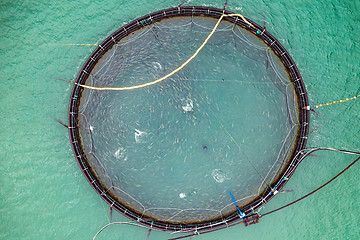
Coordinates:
327 104
177 69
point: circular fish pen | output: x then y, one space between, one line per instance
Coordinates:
219 138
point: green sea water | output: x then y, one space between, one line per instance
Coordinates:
43 194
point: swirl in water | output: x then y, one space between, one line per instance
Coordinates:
188 105
219 176
120 153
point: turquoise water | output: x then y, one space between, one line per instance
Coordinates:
43 193
146 145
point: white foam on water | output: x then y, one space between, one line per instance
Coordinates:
189 105
182 195
140 136
157 66
121 154
219 176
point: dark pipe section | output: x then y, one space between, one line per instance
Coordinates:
59 121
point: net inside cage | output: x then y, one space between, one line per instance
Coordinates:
227 121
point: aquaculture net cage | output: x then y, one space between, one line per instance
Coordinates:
170 155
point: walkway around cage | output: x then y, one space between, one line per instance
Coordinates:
114 38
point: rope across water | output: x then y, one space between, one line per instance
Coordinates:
174 71
327 104
188 61
262 215
289 204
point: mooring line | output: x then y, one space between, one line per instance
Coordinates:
287 205
328 104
